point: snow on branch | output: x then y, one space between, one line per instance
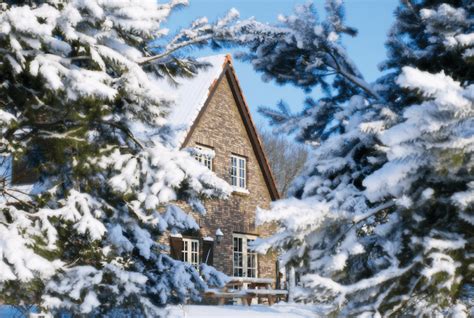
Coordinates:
301 49
200 32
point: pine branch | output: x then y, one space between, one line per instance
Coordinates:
359 82
173 49
124 129
361 217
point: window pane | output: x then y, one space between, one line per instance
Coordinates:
238 272
233 171
184 252
245 260
238 172
203 159
237 244
251 273
242 172
238 261
190 252
249 243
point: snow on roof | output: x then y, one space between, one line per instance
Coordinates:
191 94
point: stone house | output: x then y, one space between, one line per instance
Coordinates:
213 116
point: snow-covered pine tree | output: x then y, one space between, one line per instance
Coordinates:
430 155
430 172
80 110
381 221
432 36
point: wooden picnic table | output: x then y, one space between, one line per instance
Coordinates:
235 279
252 282
256 287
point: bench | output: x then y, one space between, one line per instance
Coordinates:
223 295
256 288
272 295
250 280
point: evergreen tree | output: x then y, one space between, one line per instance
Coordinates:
381 220
80 110
432 36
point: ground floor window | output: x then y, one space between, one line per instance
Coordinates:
244 259
190 251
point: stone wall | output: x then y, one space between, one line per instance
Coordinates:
221 128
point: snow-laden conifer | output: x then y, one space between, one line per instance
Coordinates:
381 219
81 111
432 35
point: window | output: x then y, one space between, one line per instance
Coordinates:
238 172
190 252
204 156
245 260
251 260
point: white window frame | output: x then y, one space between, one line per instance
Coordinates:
238 171
249 264
190 251
204 160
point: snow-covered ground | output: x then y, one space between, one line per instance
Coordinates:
281 310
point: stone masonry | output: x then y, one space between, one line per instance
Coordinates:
221 128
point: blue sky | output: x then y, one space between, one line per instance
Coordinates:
372 18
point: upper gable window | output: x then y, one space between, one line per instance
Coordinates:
238 172
204 155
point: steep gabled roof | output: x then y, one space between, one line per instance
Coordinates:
192 97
